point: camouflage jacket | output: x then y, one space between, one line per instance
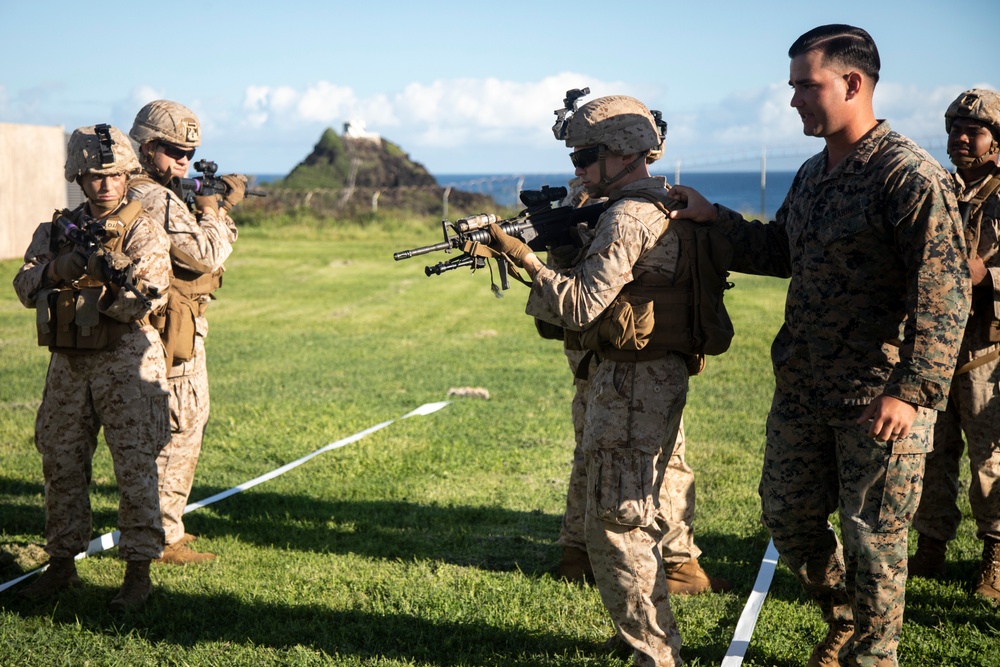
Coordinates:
879 290
145 244
982 236
205 242
627 240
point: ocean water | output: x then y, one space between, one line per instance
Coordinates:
739 190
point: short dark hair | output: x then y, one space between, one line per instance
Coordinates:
843 44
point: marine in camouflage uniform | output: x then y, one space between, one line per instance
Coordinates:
201 240
685 576
633 407
107 366
879 293
973 125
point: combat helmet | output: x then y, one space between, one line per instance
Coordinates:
99 149
167 121
623 124
976 104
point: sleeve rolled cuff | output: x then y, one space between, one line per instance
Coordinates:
919 391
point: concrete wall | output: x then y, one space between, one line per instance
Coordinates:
31 182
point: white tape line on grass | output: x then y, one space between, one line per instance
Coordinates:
748 619
109 540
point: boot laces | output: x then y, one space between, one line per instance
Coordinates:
836 637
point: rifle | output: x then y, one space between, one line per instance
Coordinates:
89 242
540 226
206 185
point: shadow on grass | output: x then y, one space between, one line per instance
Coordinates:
188 620
20 518
491 538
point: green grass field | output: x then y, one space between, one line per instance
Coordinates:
429 542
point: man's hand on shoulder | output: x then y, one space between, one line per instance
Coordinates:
698 208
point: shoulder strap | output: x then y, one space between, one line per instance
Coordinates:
129 213
139 180
969 211
988 190
665 204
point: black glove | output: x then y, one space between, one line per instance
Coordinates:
70 266
508 245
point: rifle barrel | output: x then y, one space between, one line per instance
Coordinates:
416 252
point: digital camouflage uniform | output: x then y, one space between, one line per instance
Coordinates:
875 255
200 245
121 388
633 411
973 408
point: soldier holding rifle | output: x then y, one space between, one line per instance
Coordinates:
201 240
638 391
107 367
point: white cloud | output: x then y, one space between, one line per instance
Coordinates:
440 114
143 95
917 112
489 124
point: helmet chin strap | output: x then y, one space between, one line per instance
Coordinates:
964 162
147 163
604 185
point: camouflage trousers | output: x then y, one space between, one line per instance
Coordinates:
677 494
817 462
123 391
176 462
973 409
633 413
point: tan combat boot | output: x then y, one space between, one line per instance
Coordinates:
136 588
826 653
181 554
57 577
928 561
187 538
689 578
575 566
988 581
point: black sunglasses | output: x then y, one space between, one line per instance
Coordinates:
586 157
176 152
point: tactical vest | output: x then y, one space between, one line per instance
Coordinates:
971 211
68 318
656 315
972 221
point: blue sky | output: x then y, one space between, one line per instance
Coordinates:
470 87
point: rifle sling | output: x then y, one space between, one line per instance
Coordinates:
978 361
